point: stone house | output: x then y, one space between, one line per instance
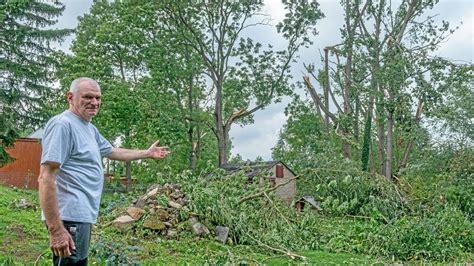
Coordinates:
276 173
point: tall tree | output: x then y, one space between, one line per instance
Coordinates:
151 83
392 45
244 78
345 78
26 64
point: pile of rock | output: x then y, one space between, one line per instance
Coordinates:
159 218
25 204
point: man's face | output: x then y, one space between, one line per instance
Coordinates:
86 101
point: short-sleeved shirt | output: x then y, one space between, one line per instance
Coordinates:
78 147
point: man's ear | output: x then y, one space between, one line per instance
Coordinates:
69 96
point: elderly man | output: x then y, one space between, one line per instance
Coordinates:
71 174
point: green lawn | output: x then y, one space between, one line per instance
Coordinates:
23 240
23 236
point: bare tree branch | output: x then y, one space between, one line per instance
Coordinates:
316 98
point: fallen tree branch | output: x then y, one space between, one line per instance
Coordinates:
285 252
261 193
278 210
40 256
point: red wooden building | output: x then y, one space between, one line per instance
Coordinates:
24 171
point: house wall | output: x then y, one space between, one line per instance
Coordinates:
288 191
24 171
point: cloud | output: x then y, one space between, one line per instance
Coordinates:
69 19
258 139
460 45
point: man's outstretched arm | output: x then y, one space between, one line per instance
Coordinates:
154 152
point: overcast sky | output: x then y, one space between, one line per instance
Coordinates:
258 139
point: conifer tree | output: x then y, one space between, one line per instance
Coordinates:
26 64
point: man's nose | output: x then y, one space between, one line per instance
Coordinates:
94 101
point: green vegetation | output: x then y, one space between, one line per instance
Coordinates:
22 234
365 219
24 241
27 66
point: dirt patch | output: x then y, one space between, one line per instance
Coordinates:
17 230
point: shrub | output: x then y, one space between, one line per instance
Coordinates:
443 176
441 236
388 226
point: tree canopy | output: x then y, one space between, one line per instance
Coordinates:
26 65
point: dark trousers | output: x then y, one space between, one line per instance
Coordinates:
81 235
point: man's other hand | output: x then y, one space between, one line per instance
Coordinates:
61 243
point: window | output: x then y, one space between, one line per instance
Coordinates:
279 171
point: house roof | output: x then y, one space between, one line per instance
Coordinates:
253 168
38 134
312 201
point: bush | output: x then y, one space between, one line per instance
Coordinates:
441 181
442 236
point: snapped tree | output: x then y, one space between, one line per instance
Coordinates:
393 81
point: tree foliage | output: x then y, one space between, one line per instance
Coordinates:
26 65
151 84
244 76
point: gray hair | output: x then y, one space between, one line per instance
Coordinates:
75 84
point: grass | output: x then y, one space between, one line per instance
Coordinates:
22 234
24 240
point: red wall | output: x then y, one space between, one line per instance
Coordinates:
24 171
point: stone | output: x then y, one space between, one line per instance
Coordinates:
141 202
184 200
123 221
199 229
175 186
151 193
222 232
193 220
171 233
152 187
177 195
174 219
24 204
153 224
135 213
174 205
168 224
167 189
162 215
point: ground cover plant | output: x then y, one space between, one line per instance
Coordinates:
22 235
